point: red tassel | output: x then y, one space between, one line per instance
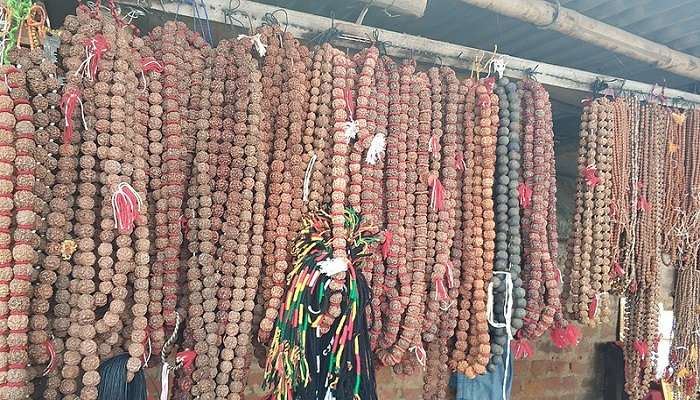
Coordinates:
386 246
690 384
459 162
448 274
434 145
437 193
349 102
51 349
524 195
559 337
593 307
617 268
440 291
490 82
184 225
95 47
641 348
187 358
68 102
573 335
643 203
589 174
126 205
522 349
149 64
565 337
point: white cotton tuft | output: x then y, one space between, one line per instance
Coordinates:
257 42
376 149
351 130
332 266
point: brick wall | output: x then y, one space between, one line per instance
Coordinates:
550 374
553 374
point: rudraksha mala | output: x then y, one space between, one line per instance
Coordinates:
201 239
339 171
278 219
169 204
543 286
271 69
641 314
446 231
396 279
591 263
78 295
621 211
154 81
24 237
486 123
376 260
432 319
468 89
43 84
138 347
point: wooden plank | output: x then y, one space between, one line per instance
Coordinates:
579 26
305 26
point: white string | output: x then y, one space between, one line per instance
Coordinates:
446 306
84 68
307 177
150 351
507 306
82 113
420 354
164 381
505 371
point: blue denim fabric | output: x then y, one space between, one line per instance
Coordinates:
485 387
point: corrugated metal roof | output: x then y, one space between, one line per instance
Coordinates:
675 23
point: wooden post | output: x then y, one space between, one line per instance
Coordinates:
576 25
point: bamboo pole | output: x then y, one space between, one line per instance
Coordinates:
576 25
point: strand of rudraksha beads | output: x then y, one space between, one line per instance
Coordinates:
378 292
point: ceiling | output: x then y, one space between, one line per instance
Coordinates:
674 23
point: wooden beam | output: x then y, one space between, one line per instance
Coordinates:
305 26
579 26
413 8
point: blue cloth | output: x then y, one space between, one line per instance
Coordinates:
486 387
